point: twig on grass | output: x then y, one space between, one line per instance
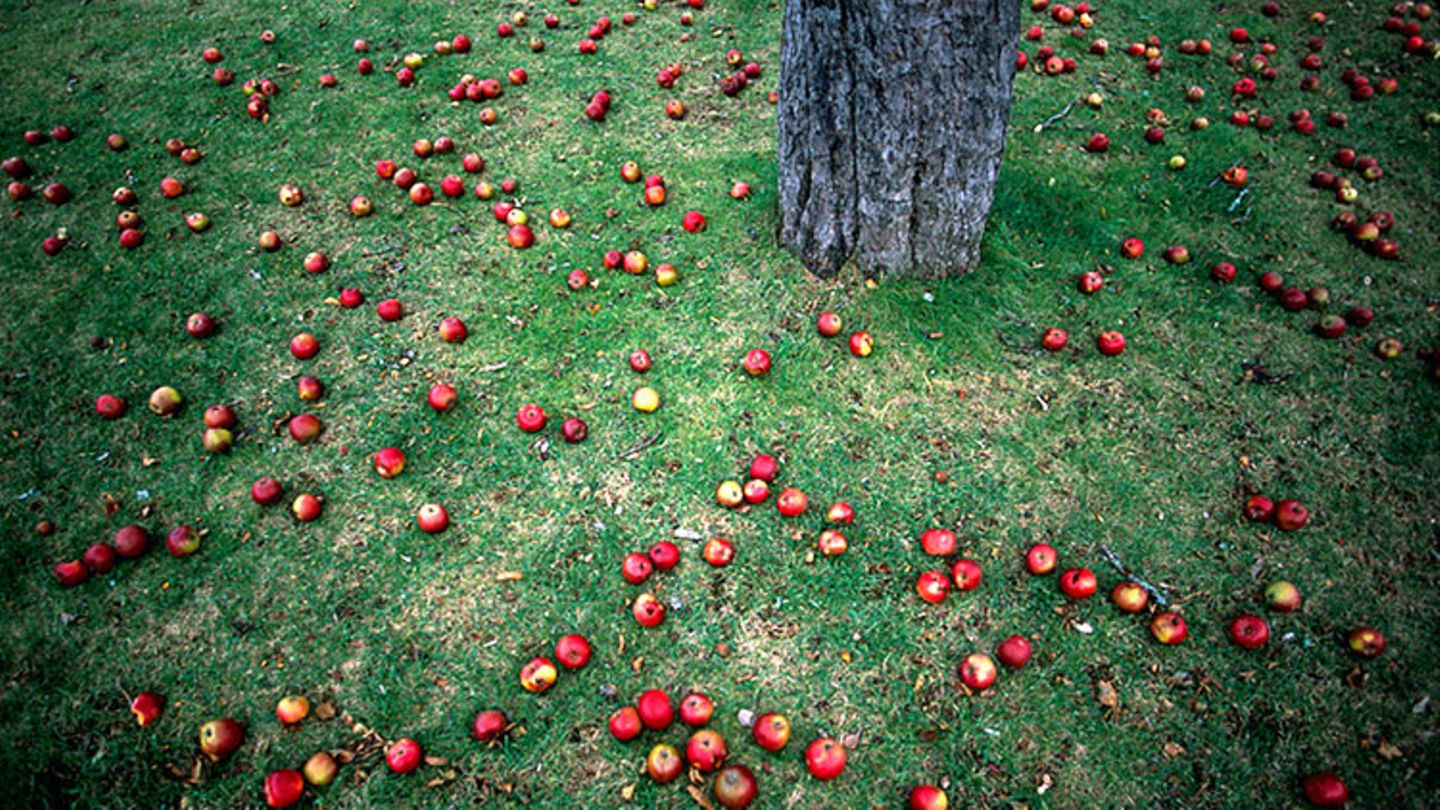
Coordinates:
1051 121
644 445
1119 565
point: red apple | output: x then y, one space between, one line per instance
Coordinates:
572 651
304 346
200 325
147 707
182 541
791 502
977 671
1259 509
1249 631
109 406
825 758
1014 652
403 756
966 574
696 709
292 709
928 797
1078 583
636 568
304 428
756 363
99 558
1110 343
1325 790
442 397
706 750
735 787
664 555
266 491
764 467
530 418
131 541
489 725
390 310
1129 597
219 738
1291 515
306 507
828 324
932 586
284 788
1054 339
1041 559
71 573
625 724
832 543
938 542
861 344
656 711
432 518
756 491
719 552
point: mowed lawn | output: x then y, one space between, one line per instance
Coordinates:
958 419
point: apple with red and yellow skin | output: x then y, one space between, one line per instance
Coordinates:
828 324
432 518
1091 282
304 428
665 555
1014 652
655 708
719 552
284 788
217 440
309 388
966 574
932 586
648 611
403 756
735 787
306 507
664 763
756 491
1367 642
320 769
147 707
182 541
840 512
219 738
304 346
791 502
630 171
635 263
625 724
1282 597
1291 515
316 262
938 542
696 709
771 731
442 397
977 671
706 750
1129 597
1325 790
560 218
572 651
1249 631
389 462
1041 559
452 330
825 758
861 344
1132 248
832 543
928 797
729 494
1078 583
1168 628
538 674
164 401
292 709
756 362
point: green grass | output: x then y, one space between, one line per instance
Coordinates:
1150 454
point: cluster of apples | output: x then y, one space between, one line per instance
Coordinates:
130 543
1110 342
306 506
706 750
791 502
55 192
644 399
531 418
742 73
1078 19
1410 31
1294 299
1372 233
636 568
539 673
654 189
1077 584
861 343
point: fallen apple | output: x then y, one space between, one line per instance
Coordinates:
538 674
825 758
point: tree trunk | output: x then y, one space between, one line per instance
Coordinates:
892 125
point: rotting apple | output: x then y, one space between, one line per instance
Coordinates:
1366 642
538 674
1168 628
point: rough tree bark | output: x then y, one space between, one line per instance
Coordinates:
892 125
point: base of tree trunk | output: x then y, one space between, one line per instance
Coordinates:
892 127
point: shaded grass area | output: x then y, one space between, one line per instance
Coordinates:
1149 454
